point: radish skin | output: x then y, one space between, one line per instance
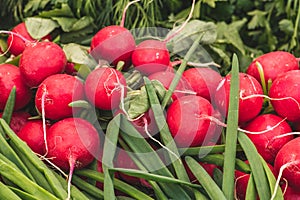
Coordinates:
105 88
17 44
273 64
189 122
11 76
40 60
249 108
286 88
288 161
33 134
59 90
267 143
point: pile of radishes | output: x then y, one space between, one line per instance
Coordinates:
134 98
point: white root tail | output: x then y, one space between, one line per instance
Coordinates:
158 142
283 167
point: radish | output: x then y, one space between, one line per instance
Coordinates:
114 43
69 69
55 93
105 88
16 44
290 193
40 60
72 144
151 55
285 95
263 132
204 81
33 134
18 120
287 163
166 77
273 64
10 76
189 121
250 101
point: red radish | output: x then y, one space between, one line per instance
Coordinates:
285 95
18 120
166 77
55 93
69 69
33 134
105 88
10 76
40 60
290 193
73 143
250 101
265 129
114 43
16 44
273 64
287 163
204 81
189 121
152 56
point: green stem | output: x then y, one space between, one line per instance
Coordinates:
231 132
180 71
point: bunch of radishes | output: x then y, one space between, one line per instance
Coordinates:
66 108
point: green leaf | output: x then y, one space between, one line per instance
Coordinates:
7 193
109 150
205 180
118 184
82 23
40 27
258 19
230 32
150 159
66 23
165 134
136 103
272 181
211 3
63 11
259 175
286 26
77 36
9 106
23 194
76 53
218 176
251 191
34 5
221 53
154 177
185 38
231 131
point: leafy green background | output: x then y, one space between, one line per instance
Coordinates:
246 27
